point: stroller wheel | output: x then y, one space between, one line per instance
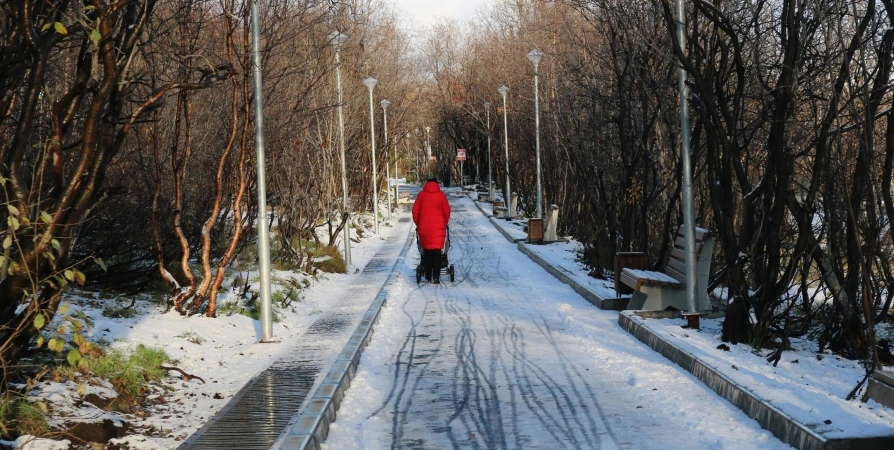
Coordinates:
450 272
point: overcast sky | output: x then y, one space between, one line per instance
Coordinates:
426 12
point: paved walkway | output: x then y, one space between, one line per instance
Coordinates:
258 413
509 358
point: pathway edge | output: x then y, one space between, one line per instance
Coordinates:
613 304
309 427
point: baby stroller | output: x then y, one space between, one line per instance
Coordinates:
445 265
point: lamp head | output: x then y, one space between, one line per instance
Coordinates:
337 38
535 56
503 90
370 82
385 103
486 105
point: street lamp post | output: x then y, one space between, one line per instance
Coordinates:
384 103
371 84
535 56
263 229
688 196
417 157
490 168
337 39
408 154
507 194
428 152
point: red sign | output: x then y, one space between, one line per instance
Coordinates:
460 154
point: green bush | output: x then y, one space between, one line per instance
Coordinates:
131 371
19 416
114 312
253 310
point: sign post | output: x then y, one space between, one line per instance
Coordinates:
461 156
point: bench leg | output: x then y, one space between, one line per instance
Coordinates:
637 300
658 299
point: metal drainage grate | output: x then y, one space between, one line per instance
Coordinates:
262 412
328 326
377 265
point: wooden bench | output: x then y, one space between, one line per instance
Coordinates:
657 291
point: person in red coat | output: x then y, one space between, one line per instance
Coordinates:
431 212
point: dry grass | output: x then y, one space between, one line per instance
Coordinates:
333 264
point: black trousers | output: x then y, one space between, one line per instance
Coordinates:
431 264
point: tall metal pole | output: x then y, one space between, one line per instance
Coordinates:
337 39
428 153
462 178
416 159
263 229
534 56
384 103
490 167
371 84
688 196
507 194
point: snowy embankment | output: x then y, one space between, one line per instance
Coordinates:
565 256
806 385
223 352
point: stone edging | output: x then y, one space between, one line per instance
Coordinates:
616 304
514 240
478 204
310 426
782 426
493 221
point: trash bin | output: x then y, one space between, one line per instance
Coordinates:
535 231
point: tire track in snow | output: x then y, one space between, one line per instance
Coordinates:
573 375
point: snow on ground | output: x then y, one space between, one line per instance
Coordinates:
28 442
564 256
509 357
809 386
224 351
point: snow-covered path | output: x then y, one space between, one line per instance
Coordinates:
507 357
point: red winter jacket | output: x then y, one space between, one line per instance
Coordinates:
431 212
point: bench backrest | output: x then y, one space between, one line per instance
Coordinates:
704 246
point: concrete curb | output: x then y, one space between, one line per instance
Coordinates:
493 221
310 426
784 427
480 208
505 233
615 304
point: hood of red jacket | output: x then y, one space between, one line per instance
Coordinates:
431 186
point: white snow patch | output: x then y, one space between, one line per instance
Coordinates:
28 442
